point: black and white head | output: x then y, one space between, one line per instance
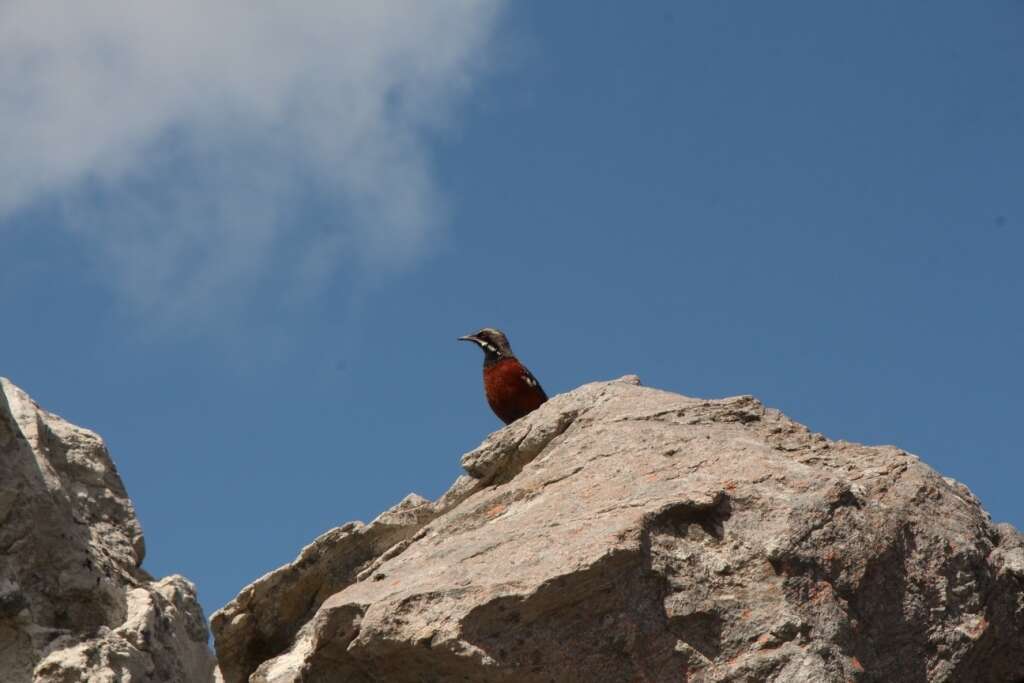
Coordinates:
493 342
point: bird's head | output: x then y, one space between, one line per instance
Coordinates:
493 342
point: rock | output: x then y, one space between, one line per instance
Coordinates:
75 604
621 533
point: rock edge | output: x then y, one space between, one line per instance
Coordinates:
626 533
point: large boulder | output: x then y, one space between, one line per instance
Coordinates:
75 604
621 533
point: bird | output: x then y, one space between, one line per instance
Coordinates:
511 389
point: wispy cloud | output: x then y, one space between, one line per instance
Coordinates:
206 148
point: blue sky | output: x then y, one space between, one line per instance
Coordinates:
245 263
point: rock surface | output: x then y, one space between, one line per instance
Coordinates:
75 604
621 533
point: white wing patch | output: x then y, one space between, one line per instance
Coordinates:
528 378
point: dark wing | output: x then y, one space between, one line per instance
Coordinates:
532 382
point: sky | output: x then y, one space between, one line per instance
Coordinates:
239 242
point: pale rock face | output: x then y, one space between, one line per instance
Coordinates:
75 605
621 533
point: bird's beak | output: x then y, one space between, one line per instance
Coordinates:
470 338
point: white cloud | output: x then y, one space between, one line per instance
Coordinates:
202 148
